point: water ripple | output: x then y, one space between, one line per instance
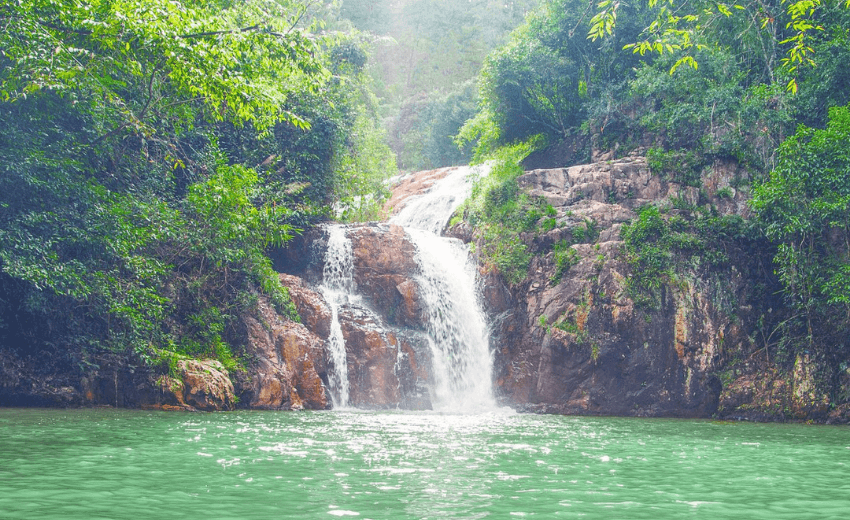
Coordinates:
399 465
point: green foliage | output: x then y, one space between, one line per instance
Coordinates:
682 166
720 111
565 257
647 252
587 232
424 129
548 224
824 85
203 337
531 89
805 210
153 152
548 78
684 32
239 61
360 174
724 193
339 164
502 211
424 55
658 245
367 15
730 104
506 252
482 130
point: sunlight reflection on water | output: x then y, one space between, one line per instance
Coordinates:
391 465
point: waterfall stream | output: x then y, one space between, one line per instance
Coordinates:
337 288
431 211
457 328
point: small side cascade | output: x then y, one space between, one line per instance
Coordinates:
457 329
337 287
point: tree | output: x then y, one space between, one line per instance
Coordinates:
122 222
545 79
236 60
805 209
790 24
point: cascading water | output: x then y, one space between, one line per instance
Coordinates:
337 287
433 209
457 328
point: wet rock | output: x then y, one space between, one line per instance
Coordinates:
388 360
840 415
760 395
387 367
63 379
808 400
312 308
384 271
289 370
24 383
198 385
579 344
371 353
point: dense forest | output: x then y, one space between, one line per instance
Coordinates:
153 153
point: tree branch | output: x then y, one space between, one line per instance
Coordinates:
255 27
300 16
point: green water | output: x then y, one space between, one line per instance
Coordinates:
138 465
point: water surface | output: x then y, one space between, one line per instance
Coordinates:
104 463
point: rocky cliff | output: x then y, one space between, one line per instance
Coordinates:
577 343
570 338
574 340
566 344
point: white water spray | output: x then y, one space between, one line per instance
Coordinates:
457 328
337 287
432 210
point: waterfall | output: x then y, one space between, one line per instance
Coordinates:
457 327
337 287
432 210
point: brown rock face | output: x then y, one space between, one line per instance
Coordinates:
384 268
199 385
290 363
576 346
371 357
387 357
579 345
763 391
387 367
314 311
